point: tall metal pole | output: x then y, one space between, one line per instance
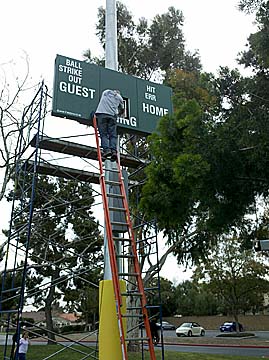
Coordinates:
111 62
110 347
111 36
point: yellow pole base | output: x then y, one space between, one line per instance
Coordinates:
109 338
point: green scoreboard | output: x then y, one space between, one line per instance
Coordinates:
78 86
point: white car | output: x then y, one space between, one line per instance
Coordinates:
190 329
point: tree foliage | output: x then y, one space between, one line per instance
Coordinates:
235 276
65 244
250 6
148 47
10 299
204 170
209 163
188 298
193 298
85 300
209 160
167 298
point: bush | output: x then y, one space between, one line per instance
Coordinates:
235 335
71 328
37 332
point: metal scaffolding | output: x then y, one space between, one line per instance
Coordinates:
39 155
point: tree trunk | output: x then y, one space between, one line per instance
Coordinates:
87 320
134 346
49 323
235 316
48 310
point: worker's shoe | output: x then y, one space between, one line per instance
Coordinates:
114 156
106 154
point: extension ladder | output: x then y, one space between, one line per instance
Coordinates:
133 274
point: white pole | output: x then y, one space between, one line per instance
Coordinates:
110 346
111 62
111 36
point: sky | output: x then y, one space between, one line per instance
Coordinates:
43 29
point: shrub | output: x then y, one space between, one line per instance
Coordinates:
71 328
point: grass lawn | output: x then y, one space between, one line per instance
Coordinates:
39 352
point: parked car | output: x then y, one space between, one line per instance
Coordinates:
190 329
167 326
230 326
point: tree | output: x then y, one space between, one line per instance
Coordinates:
256 59
186 293
167 292
65 242
86 300
145 49
249 6
234 275
209 161
9 300
175 173
143 42
13 88
194 298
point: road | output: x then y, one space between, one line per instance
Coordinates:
213 333
218 349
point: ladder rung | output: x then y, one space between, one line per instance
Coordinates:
125 256
115 195
137 339
132 316
119 223
121 239
134 308
127 274
111 170
111 182
131 294
113 208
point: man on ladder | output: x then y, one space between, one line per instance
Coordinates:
110 106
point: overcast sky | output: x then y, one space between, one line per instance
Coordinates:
43 29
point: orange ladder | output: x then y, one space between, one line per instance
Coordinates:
135 273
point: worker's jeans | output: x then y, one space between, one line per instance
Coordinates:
107 126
